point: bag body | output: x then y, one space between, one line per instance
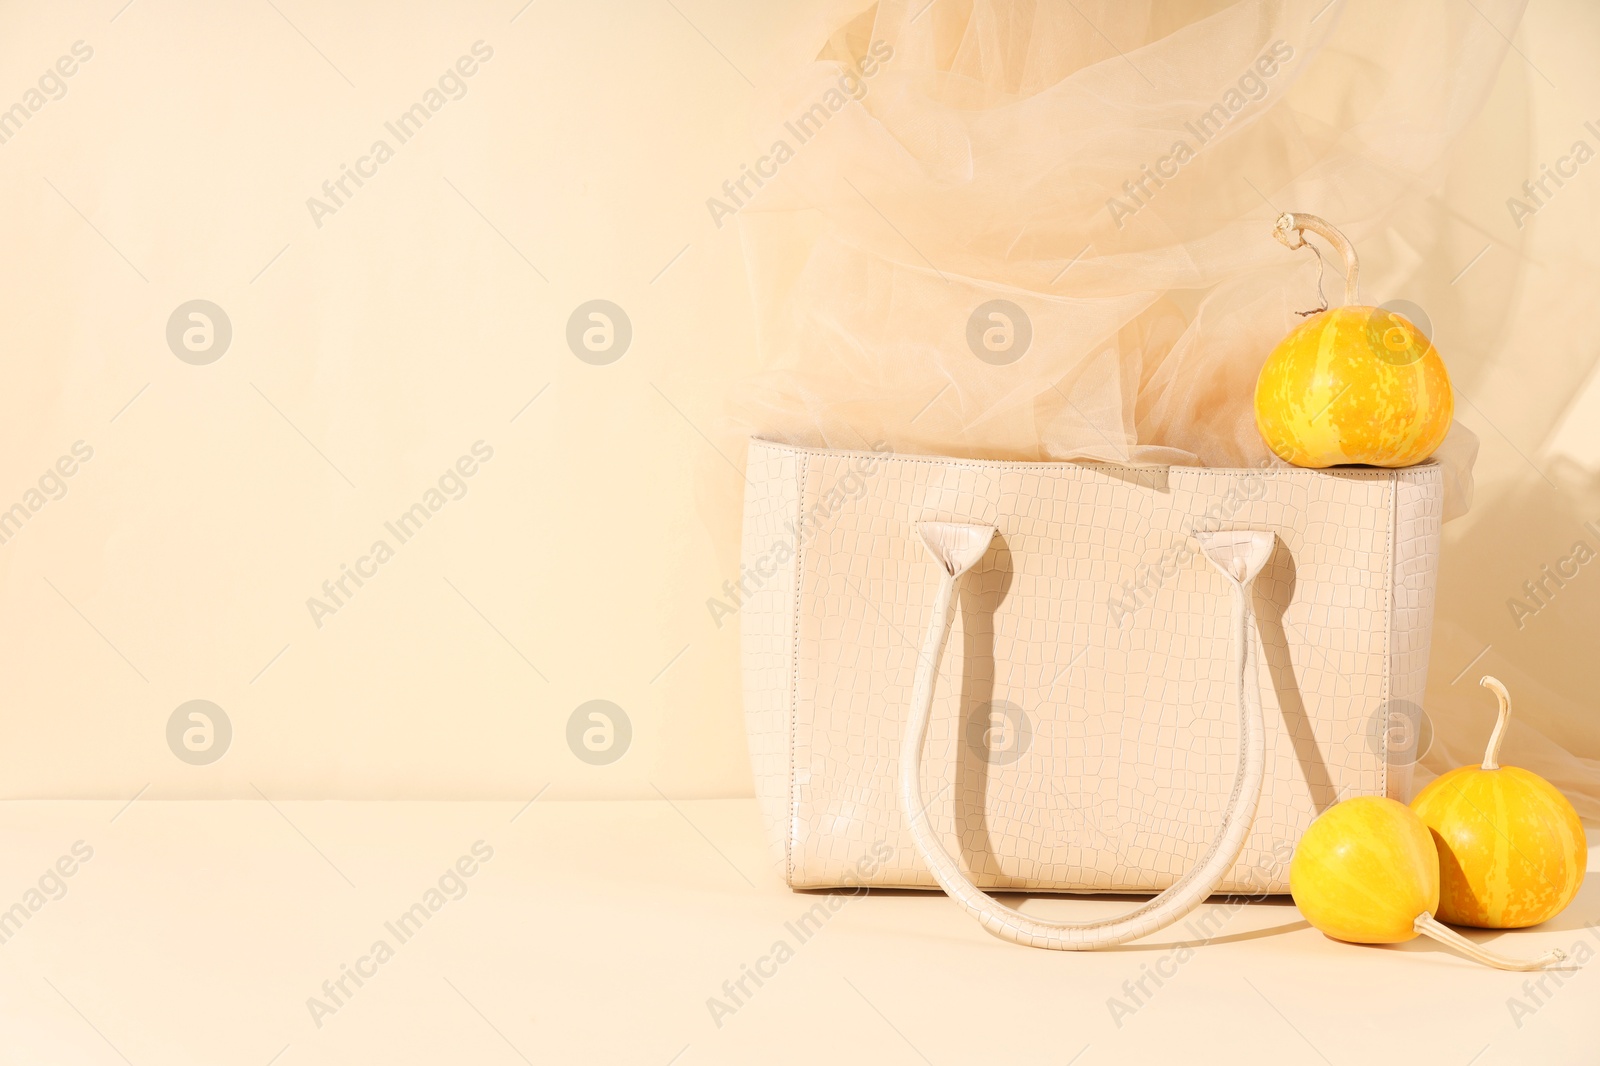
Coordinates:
1083 733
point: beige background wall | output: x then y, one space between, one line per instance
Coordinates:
430 312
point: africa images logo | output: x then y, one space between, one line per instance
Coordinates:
451 85
1251 87
850 85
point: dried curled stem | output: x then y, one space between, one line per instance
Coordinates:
1429 926
1291 228
1491 756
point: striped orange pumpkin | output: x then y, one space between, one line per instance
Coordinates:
1512 852
1352 384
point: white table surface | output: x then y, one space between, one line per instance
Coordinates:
598 931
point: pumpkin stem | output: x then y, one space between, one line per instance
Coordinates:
1491 757
1428 926
1290 230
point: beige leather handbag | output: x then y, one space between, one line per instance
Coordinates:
1156 676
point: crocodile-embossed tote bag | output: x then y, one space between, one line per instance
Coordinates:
1074 677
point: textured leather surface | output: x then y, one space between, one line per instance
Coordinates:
1093 615
1238 556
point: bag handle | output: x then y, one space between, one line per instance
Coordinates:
1239 555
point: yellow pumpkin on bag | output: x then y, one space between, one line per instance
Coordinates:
1351 384
1512 852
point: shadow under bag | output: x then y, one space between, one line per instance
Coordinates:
1059 677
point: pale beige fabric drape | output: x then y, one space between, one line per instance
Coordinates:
1109 171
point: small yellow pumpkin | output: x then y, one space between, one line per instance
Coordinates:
1351 384
1512 852
1366 872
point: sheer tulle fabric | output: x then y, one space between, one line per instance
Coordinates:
1112 168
